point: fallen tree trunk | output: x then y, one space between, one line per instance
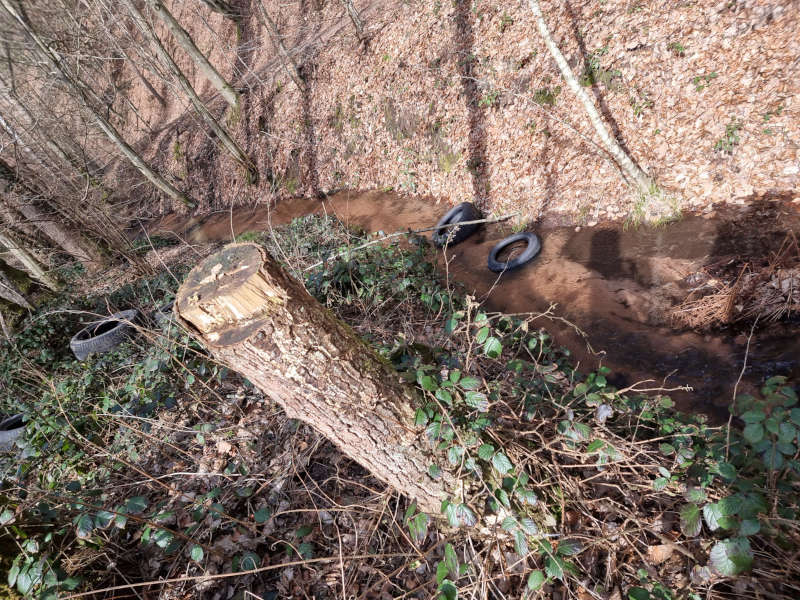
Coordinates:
263 324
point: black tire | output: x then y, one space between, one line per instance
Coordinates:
10 429
102 336
163 313
530 252
466 211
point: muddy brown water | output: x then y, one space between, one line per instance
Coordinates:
611 283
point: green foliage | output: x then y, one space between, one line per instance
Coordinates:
676 48
505 22
489 99
594 73
730 140
546 96
703 81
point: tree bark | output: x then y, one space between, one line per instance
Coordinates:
274 34
355 18
27 261
631 171
227 141
73 244
108 129
10 293
262 323
205 67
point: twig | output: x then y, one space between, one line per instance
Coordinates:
736 387
409 232
207 577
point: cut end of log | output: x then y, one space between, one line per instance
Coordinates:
229 295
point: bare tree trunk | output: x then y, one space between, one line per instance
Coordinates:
205 67
55 59
632 172
27 261
72 243
355 18
289 64
262 323
10 293
201 108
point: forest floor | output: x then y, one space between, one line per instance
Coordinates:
461 101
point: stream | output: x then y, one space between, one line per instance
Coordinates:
615 285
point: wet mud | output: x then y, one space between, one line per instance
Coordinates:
607 290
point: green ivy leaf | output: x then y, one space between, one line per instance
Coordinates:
418 527
441 572
753 433
501 462
12 574
451 560
104 518
443 396
470 383
136 504
428 383
249 561
6 517
731 557
536 580
493 347
84 526
521 542
716 518
486 451
749 527
196 553
448 590
262 515
477 400
690 520
569 547
638 593
482 334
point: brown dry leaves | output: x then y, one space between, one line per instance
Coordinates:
442 102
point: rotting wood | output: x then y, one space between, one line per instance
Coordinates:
263 324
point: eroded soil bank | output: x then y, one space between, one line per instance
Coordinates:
616 287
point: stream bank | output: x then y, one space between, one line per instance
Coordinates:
610 292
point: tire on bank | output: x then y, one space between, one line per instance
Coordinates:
532 248
464 212
101 336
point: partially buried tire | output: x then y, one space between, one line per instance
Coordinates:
10 429
534 245
466 211
102 336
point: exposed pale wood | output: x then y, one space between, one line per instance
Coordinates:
263 324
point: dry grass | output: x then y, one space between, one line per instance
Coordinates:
769 292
